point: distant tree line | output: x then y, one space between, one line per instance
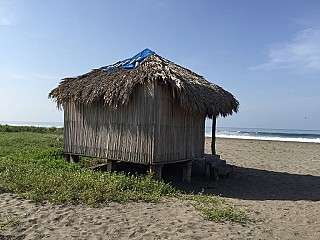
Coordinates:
9 128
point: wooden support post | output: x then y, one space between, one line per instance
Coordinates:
213 140
208 170
74 158
67 157
111 165
215 174
187 169
156 171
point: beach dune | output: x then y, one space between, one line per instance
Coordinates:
278 183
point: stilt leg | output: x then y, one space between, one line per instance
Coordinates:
67 157
75 158
208 170
111 165
156 171
215 175
187 168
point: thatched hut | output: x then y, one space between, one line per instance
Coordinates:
144 110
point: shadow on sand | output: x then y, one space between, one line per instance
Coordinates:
248 183
243 183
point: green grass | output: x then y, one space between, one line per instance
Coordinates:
215 208
32 165
9 128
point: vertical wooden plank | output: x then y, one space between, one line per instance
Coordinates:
156 125
213 139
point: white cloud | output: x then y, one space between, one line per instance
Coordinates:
302 51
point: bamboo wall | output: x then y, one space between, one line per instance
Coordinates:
153 128
179 135
124 134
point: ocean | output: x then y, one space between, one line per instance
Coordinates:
291 135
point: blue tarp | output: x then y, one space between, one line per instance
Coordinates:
130 62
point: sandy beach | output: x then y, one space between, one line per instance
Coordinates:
278 183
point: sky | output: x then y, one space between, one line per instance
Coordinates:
265 52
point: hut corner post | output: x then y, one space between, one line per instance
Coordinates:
156 171
213 141
187 169
111 165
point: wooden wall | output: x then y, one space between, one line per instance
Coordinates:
153 128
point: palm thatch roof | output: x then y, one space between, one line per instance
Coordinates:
114 87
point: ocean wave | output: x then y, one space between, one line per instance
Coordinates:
290 135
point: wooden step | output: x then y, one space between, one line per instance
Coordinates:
218 163
216 167
210 157
225 170
221 171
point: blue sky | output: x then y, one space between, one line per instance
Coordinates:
267 53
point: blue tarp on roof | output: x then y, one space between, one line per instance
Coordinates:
130 62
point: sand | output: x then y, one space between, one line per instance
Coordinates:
278 183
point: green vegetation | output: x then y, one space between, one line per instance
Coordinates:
32 165
215 208
9 128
